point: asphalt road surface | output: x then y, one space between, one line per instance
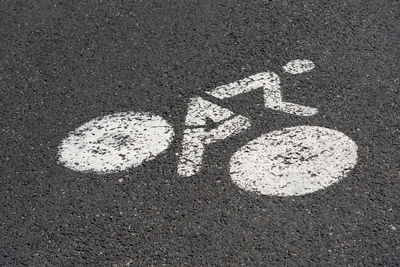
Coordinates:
203 186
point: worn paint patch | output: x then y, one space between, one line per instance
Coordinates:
298 66
293 161
115 142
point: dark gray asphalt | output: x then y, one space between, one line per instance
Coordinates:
64 63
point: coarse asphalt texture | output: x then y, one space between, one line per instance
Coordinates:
64 63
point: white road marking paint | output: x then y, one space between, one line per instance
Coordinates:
200 109
266 80
195 140
290 162
115 142
298 66
270 83
294 161
273 100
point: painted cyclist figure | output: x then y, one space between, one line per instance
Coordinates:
288 162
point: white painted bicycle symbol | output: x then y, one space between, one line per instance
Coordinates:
288 162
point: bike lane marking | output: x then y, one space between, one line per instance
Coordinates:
293 161
115 142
